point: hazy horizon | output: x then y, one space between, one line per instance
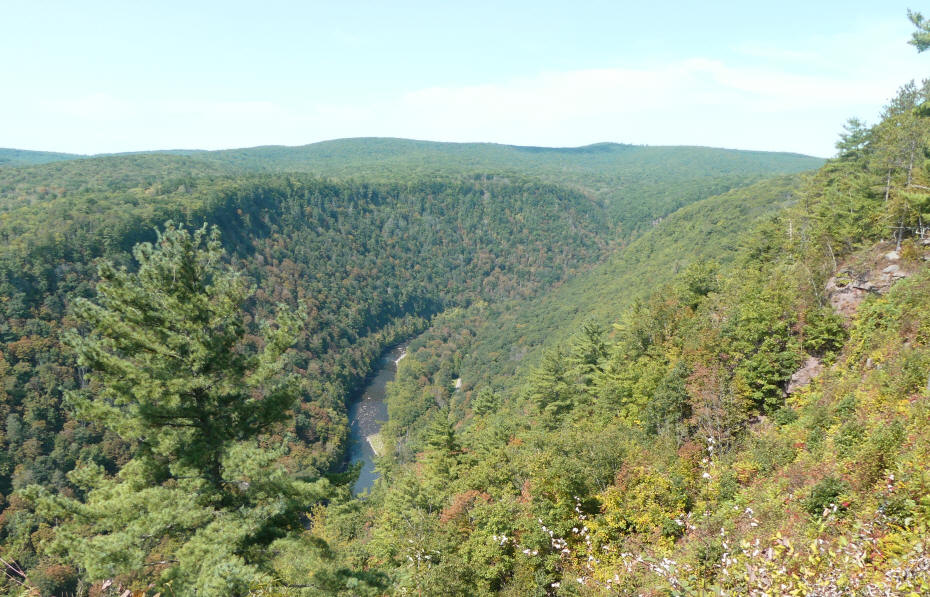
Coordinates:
113 78
269 145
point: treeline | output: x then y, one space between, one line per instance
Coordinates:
636 183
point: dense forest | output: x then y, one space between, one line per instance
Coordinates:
753 421
631 370
365 261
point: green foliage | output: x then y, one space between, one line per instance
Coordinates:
697 281
485 401
785 416
920 38
550 388
619 456
854 140
824 496
670 405
824 332
623 425
510 339
171 372
20 157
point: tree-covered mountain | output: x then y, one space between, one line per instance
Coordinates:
399 233
512 336
751 418
637 183
23 157
674 381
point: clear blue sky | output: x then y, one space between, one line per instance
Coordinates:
95 76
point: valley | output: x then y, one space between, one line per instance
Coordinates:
445 250
462 369
520 299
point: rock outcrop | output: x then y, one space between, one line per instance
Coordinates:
851 284
811 368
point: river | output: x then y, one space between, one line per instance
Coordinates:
366 413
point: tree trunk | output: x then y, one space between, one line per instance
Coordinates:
887 185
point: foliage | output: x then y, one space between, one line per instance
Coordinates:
666 456
920 38
170 371
630 418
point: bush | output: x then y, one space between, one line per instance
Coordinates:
709 553
825 495
770 453
846 407
910 251
728 486
785 416
824 333
848 437
55 579
899 510
887 438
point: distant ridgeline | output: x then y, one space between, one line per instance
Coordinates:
397 233
21 157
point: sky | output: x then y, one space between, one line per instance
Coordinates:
97 76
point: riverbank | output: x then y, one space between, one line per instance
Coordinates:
367 411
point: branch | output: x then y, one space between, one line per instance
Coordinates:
160 562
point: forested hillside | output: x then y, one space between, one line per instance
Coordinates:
711 230
376 366
752 423
368 262
637 184
364 264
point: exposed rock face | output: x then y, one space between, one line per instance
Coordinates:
846 295
849 286
811 369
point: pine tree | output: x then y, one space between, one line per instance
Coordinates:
920 38
854 140
485 401
170 371
550 389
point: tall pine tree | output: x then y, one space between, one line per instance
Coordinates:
169 370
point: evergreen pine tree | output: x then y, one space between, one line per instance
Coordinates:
920 38
199 503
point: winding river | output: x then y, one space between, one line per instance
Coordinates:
366 413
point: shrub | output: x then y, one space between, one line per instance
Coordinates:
910 251
709 553
848 437
899 510
825 495
824 333
785 416
55 579
846 407
770 453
